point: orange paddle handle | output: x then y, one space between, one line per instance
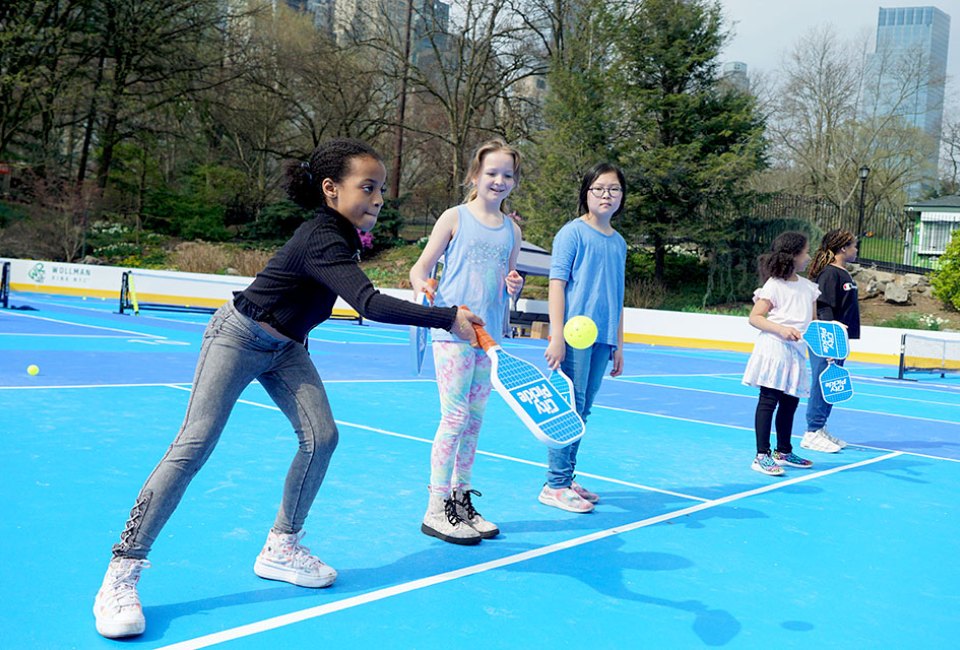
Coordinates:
484 340
431 289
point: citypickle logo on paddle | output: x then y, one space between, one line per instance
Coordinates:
827 340
836 385
540 398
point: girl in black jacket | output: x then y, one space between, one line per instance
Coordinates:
837 301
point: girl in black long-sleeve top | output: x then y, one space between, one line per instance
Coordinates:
838 301
261 335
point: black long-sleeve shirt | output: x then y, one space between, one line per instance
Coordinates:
838 299
297 289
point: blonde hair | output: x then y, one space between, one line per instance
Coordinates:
488 147
830 245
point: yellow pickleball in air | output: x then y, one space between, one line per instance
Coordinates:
580 332
33 369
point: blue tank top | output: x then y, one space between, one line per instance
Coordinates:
475 271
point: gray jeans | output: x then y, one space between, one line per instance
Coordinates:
235 351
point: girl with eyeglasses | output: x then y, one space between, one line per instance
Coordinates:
587 271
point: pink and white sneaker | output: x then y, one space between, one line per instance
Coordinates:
284 558
584 493
117 606
565 499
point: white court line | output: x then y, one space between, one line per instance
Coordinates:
188 386
719 375
859 393
479 452
842 408
89 386
381 594
333 342
742 428
96 327
68 336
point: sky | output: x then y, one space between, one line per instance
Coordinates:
765 30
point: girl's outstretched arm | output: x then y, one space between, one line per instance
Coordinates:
440 236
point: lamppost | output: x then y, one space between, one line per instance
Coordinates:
864 171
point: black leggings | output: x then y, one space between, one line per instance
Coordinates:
769 399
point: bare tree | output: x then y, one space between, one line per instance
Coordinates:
839 108
153 53
466 71
814 109
950 148
40 45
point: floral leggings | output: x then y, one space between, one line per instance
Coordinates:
463 377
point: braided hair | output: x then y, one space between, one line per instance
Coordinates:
778 263
830 245
331 159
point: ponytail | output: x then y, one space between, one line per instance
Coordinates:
830 245
304 180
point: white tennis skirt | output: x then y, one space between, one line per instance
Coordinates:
779 364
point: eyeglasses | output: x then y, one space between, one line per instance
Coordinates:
614 192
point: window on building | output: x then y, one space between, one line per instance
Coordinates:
935 235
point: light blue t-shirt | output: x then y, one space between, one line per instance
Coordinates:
593 265
475 272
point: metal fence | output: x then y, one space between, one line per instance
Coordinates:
888 239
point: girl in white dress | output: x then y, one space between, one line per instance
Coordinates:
783 308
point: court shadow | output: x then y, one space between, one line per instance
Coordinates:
949 449
438 558
605 516
159 617
714 627
900 469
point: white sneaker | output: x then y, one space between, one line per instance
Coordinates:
117 606
443 521
817 441
469 514
284 558
837 441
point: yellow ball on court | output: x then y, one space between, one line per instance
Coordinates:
33 369
580 332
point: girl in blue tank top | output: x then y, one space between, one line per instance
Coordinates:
479 245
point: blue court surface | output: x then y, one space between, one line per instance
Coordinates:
688 547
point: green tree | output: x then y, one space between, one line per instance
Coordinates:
575 134
41 60
946 279
151 54
687 139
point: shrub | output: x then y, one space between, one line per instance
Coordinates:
946 279
915 321
203 257
644 294
276 222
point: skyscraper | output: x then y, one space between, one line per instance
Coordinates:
907 73
735 74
